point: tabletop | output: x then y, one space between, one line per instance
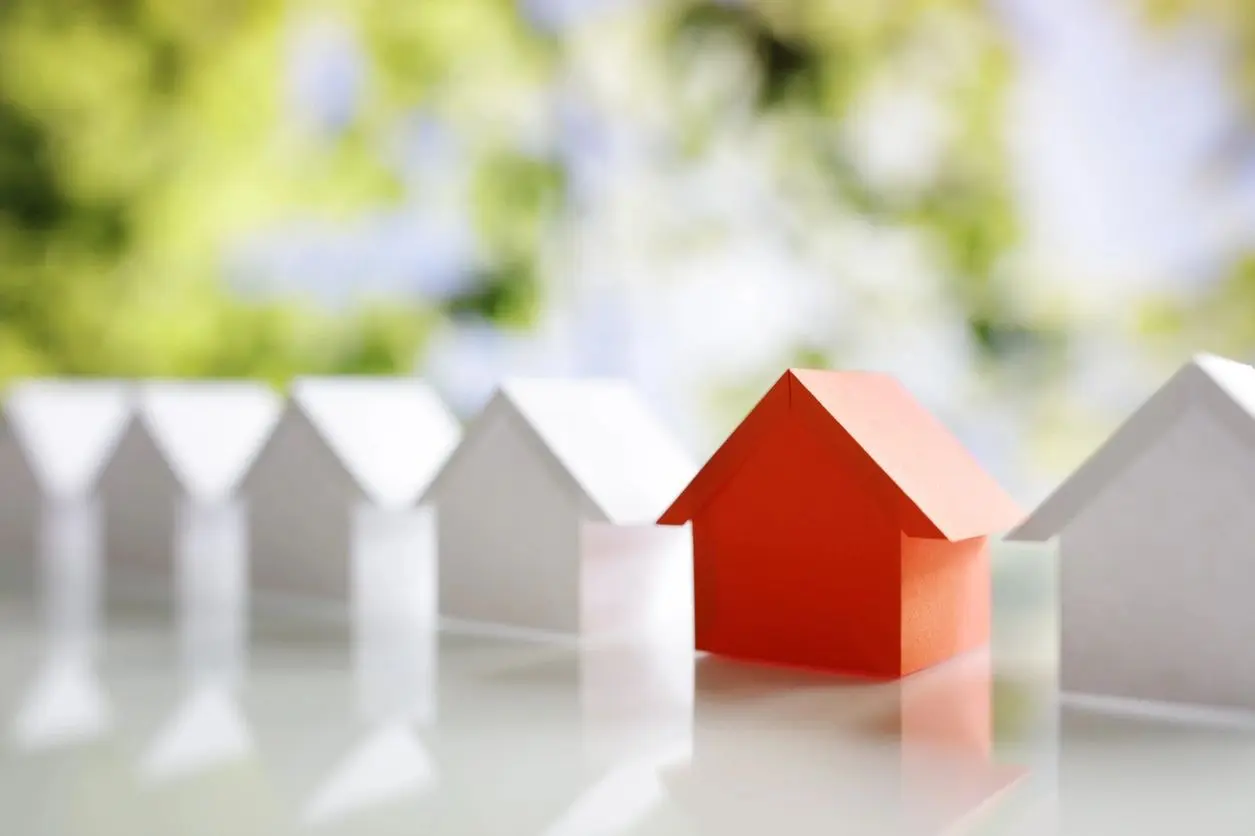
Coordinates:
407 730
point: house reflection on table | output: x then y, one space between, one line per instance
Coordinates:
341 749
541 736
207 730
636 710
509 739
636 696
65 706
388 761
791 751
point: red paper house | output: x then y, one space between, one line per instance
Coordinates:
842 527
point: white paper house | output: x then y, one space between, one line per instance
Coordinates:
69 430
338 482
1155 534
545 515
170 490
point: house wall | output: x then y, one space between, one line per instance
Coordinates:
636 579
19 522
300 509
210 576
1157 574
946 599
509 533
139 495
394 612
394 567
795 562
71 564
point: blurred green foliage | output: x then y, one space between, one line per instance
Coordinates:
1217 316
1238 20
814 62
140 138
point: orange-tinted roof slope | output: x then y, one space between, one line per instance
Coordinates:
930 469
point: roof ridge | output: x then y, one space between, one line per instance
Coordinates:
1143 427
624 484
912 426
358 459
512 407
860 416
254 411
573 433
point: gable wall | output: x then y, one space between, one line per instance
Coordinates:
300 503
1157 574
946 599
139 495
796 561
508 527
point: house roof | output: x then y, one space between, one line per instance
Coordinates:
603 438
939 488
69 429
1224 387
390 434
208 432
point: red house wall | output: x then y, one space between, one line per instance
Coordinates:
946 600
796 563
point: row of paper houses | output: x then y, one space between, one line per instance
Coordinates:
170 476
840 527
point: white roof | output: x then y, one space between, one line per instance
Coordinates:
69 429
391 434
1236 379
627 464
208 431
1223 386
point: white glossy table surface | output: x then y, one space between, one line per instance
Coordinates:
495 735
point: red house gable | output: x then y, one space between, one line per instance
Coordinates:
935 487
842 527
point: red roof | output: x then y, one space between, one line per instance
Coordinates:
938 489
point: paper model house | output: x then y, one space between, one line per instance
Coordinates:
1154 531
842 527
170 489
69 430
545 512
341 474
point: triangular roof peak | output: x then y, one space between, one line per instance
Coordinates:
208 432
602 437
391 434
941 490
69 428
1237 379
1223 386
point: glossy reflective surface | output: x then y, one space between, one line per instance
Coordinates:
406 731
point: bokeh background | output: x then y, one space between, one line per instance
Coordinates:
1030 210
